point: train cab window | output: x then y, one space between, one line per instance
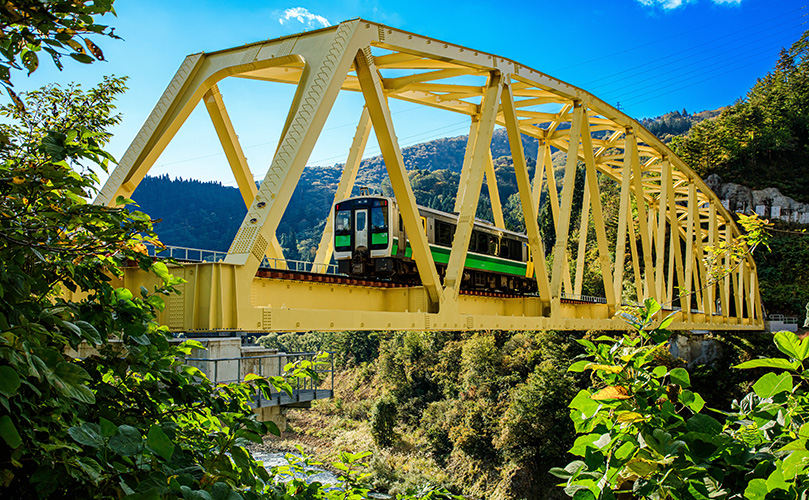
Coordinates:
444 233
342 230
379 227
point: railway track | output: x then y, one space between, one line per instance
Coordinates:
284 274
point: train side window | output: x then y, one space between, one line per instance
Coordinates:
504 248
494 245
444 233
483 243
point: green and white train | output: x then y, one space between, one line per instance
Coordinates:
368 236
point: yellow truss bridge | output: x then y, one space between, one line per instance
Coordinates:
677 215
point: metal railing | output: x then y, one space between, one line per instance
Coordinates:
184 254
584 298
299 266
234 370
787 320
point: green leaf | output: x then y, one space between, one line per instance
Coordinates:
222 491
87 434
9 432
693 401
160 442
108 429
791 345
127 442
771 384
69 379
781 363
776 480
89 332
9 381
795 463
756 490
161 271
703 424
680 377
157 302
583 442
579 366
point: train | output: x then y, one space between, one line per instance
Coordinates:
370 242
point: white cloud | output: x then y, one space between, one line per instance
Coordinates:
668 4
305 17
674 4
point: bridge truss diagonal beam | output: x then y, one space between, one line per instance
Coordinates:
666 215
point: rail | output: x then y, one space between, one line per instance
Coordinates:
304 389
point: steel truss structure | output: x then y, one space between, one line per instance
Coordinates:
676 214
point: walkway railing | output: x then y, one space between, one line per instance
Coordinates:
787 320
304 388
185 254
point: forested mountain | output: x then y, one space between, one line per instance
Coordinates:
676 123
762 140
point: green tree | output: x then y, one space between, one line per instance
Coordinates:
645 433
58 27
129 418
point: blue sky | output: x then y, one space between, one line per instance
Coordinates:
648 56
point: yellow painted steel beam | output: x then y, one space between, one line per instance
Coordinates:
471 193
624 217
563 223
584 224
598 216
316 92
377 105
236 159
524 187
467 161
494 191
346 184
553 199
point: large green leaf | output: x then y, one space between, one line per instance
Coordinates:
222 491
756 490
9 381
160 442
796 462
69 379
781 363
127 442
791 345
771 384
88 434
9 432
703 424
680 377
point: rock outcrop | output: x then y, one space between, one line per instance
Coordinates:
768 202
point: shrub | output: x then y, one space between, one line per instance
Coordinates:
383 421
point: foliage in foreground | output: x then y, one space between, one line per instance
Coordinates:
127 418
643 432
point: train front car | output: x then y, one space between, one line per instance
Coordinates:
370 242
362 236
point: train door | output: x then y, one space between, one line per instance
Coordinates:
361 228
